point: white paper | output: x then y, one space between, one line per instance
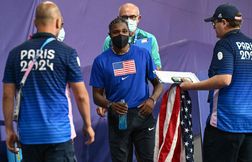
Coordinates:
166 76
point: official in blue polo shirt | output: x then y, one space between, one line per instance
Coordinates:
228 134
45 125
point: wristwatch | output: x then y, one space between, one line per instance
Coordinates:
109 105
154 101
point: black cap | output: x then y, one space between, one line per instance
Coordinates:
225 11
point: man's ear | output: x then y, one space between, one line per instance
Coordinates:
139 18
225 22
58 23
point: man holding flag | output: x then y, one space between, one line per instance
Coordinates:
228 133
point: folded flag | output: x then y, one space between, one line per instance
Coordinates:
174 138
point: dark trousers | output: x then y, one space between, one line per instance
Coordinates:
59 152
140 132
220 146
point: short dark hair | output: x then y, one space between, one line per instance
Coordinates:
235 23
116 21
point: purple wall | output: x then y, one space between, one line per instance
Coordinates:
86 25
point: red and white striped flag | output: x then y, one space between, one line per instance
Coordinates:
124 67
173 141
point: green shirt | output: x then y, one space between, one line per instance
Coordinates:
140 35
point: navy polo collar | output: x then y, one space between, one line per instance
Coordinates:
42 35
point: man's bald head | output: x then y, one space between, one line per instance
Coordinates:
46 13
128 9
131 13
48 18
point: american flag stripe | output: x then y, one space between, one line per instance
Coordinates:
169 145
170 135
129 67
124 68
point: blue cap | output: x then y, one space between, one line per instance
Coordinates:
225 11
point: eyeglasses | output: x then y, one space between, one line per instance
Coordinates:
132 17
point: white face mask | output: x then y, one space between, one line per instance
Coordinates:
132 24
61 35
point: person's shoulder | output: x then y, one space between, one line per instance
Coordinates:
107 38
235 34
105 54
64 46
145 33
20 47
136 49
222 43
244 36
232 38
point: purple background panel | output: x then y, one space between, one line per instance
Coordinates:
186 44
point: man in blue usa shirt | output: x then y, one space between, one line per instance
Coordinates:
122 72
45 125
228 134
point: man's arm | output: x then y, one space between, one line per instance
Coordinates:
215 82
157 89
8 108
148 105
106 45
82 99
100 100
155 53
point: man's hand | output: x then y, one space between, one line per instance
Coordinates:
89 132
101 111
11 140
146 107
119 108
186 84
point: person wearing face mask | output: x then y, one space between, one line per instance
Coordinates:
61 35
121 72
131 13
42 70
228 132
